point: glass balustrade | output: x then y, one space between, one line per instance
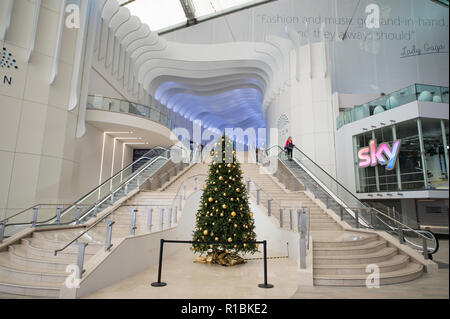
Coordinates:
415 92
122 106
101 197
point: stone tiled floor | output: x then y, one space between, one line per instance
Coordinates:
186 279
428 286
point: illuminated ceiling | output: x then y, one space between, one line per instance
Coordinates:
226 85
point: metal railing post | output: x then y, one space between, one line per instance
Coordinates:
2 230
302 240
133 222
77 217
80 259
126 189
401 237
341 212
175 215
95 209
138 181
111 199
372 218
357 218
160 181
184 192
257 196
291 226
108 243
58 215
327 202
169 218
425 248
248 186
195 184
35 213
281 217
149 219
269 207
180 203
161 218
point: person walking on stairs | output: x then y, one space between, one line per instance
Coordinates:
288 147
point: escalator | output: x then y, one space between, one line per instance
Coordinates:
95 201
351 210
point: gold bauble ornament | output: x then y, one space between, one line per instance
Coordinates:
216 239
221 214
235 225
204 186
217 171
229 219
224 206
235 246
231 199
211 246
210 199
230 239
229 165
238 190
220 166
233 213
211 214
224 194
251 215
220 178
245 245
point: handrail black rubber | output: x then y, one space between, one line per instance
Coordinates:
84 196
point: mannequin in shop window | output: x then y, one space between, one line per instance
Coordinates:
288 147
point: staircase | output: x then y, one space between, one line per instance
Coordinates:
340 257
29 268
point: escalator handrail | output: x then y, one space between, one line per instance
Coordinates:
331 177
44 222
403 226
84 196
99 219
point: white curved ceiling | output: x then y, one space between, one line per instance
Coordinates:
222 85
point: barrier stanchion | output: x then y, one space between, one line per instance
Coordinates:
160 283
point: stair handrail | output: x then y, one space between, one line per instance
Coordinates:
418 232
86 195
112 211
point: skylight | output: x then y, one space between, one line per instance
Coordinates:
163 15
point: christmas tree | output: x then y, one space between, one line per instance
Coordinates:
224 215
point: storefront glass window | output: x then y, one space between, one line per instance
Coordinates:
434 153
408 172
387 178
409 160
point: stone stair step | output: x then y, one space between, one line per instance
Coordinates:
408 273
378 256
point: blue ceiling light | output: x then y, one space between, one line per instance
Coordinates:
239 106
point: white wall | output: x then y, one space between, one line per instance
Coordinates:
309 107
41 160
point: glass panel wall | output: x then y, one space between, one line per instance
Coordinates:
409 159
413 169
419 92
